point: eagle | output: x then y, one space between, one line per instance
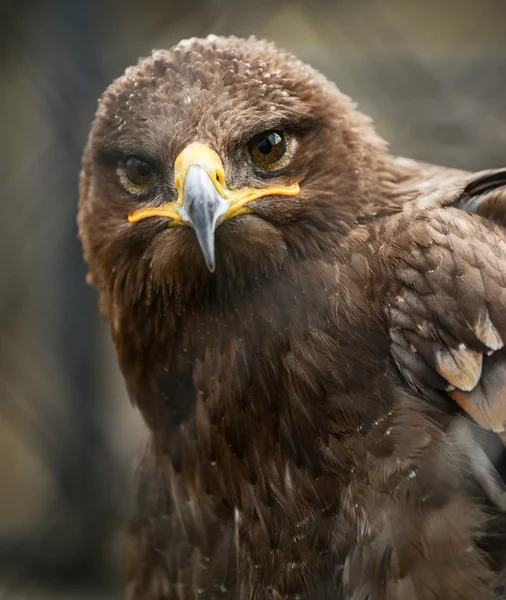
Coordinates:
312 328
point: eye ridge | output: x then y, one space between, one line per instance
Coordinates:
138 172
268 149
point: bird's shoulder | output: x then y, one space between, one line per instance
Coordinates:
444 257
440 266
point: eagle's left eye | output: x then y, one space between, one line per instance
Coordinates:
268 149
138 172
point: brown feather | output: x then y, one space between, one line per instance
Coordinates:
486 402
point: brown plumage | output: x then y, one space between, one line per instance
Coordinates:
302 382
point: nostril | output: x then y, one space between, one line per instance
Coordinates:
219 177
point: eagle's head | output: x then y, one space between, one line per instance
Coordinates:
220 159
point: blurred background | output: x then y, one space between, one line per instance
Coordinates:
431 73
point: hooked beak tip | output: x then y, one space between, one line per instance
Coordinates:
209 260
205 239
207 249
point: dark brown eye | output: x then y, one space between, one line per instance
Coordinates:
268 149
138 172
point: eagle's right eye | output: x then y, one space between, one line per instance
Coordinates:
138 172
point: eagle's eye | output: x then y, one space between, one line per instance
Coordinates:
268 149
139 173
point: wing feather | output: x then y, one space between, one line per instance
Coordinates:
447 303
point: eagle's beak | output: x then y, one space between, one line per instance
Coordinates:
203 199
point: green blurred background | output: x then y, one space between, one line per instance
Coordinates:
431 73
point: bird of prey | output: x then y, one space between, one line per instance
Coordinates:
312 328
